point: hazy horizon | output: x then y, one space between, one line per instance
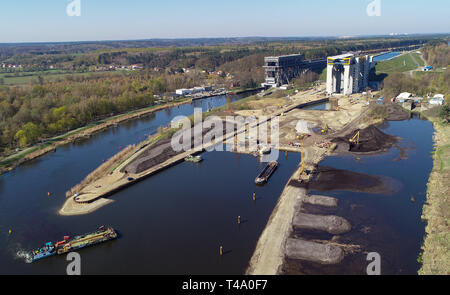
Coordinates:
27 21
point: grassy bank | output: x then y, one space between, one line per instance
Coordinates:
436 212
403 63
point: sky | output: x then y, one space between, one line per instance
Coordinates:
48 20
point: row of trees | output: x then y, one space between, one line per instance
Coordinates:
438 55
30 113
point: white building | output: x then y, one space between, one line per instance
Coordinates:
348 73
438 99
183 91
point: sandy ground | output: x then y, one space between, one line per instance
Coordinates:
270 250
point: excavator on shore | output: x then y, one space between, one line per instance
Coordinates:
354 141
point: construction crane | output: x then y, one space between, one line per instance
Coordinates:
354 140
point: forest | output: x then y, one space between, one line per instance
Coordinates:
46 107
436 54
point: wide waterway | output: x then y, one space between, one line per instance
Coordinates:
173 222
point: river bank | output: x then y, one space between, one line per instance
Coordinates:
436 212
12 161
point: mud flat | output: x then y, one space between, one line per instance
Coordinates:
332 224
321 201
270 256
314 252
328 178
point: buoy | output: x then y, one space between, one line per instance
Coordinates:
221 250
48 193
254 196
413 199
239 219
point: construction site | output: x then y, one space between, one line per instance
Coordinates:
347 127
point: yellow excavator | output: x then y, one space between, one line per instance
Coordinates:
354 141
302 152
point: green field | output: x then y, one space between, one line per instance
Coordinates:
49 76
403 63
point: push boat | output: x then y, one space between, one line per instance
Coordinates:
67 245
264 175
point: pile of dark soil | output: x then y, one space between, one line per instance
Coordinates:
329 179
161 152
371 139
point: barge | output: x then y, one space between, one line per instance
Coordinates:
263 177
67 245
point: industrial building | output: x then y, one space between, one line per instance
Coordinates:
281 69
348 73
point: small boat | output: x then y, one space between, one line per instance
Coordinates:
48 250
193 159
263 150
263 177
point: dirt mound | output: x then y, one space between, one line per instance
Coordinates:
396 113
371 139
330 179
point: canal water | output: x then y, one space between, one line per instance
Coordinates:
389 224
386 56
171 223
175 222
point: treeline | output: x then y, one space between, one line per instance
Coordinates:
437 55
422 83
419 84
31 113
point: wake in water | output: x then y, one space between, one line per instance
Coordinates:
21 254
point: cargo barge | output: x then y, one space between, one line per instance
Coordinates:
263 177
78 242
